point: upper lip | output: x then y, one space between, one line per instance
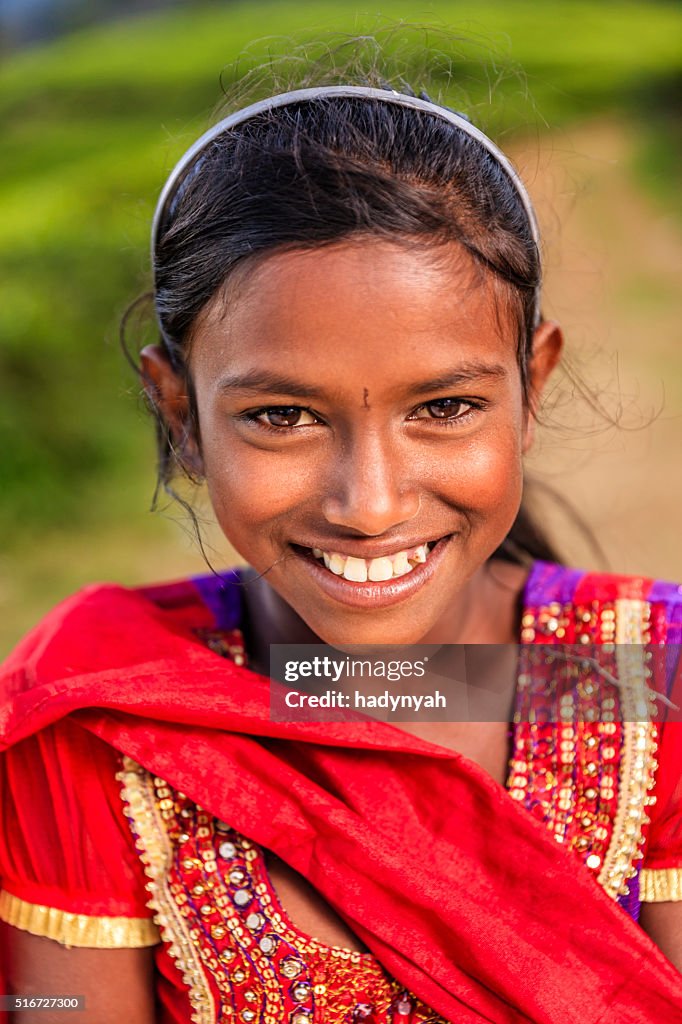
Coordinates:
370 548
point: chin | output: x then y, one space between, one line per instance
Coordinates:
369 630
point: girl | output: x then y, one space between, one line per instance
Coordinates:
352 353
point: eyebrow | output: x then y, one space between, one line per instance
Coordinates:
466 373
256 381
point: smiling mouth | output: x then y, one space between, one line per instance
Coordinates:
372 570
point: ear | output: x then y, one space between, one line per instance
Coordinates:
166 390
548 341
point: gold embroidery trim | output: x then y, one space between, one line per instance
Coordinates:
638 763
156 853
660 885
71 929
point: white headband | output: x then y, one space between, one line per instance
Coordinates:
186 162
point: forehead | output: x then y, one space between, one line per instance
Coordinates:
368 306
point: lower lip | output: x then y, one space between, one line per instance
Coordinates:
374 595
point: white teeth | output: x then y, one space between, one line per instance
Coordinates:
400 564
419 554
337 564
355 570
380 569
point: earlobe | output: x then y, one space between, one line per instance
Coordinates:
548 342
166 391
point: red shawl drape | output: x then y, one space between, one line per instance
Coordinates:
457 891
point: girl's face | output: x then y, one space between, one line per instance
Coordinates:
362 428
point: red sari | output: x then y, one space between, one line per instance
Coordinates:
465 898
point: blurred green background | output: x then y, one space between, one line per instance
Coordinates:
92 121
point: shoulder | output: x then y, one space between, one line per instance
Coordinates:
564 583
101 629
93 630
637 608
88 646
104 624
97 608
627 623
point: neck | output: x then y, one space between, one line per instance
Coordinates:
488 611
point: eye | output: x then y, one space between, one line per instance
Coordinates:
444 409
283 416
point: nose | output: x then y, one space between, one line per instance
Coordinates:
371 488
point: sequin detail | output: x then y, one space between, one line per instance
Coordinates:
240 955
250 961
587 772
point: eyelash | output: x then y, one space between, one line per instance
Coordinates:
452 422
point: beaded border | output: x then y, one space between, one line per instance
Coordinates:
238 936
555 764
244 923
623 627
153 845
640 743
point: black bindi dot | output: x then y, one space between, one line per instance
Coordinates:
365 398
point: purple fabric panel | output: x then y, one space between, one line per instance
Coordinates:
669 594
222 595
664 590
630 901
550 582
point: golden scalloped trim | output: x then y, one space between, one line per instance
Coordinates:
660 885
640 742
156 852
69 929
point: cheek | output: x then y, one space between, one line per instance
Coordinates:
486 477
252 490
